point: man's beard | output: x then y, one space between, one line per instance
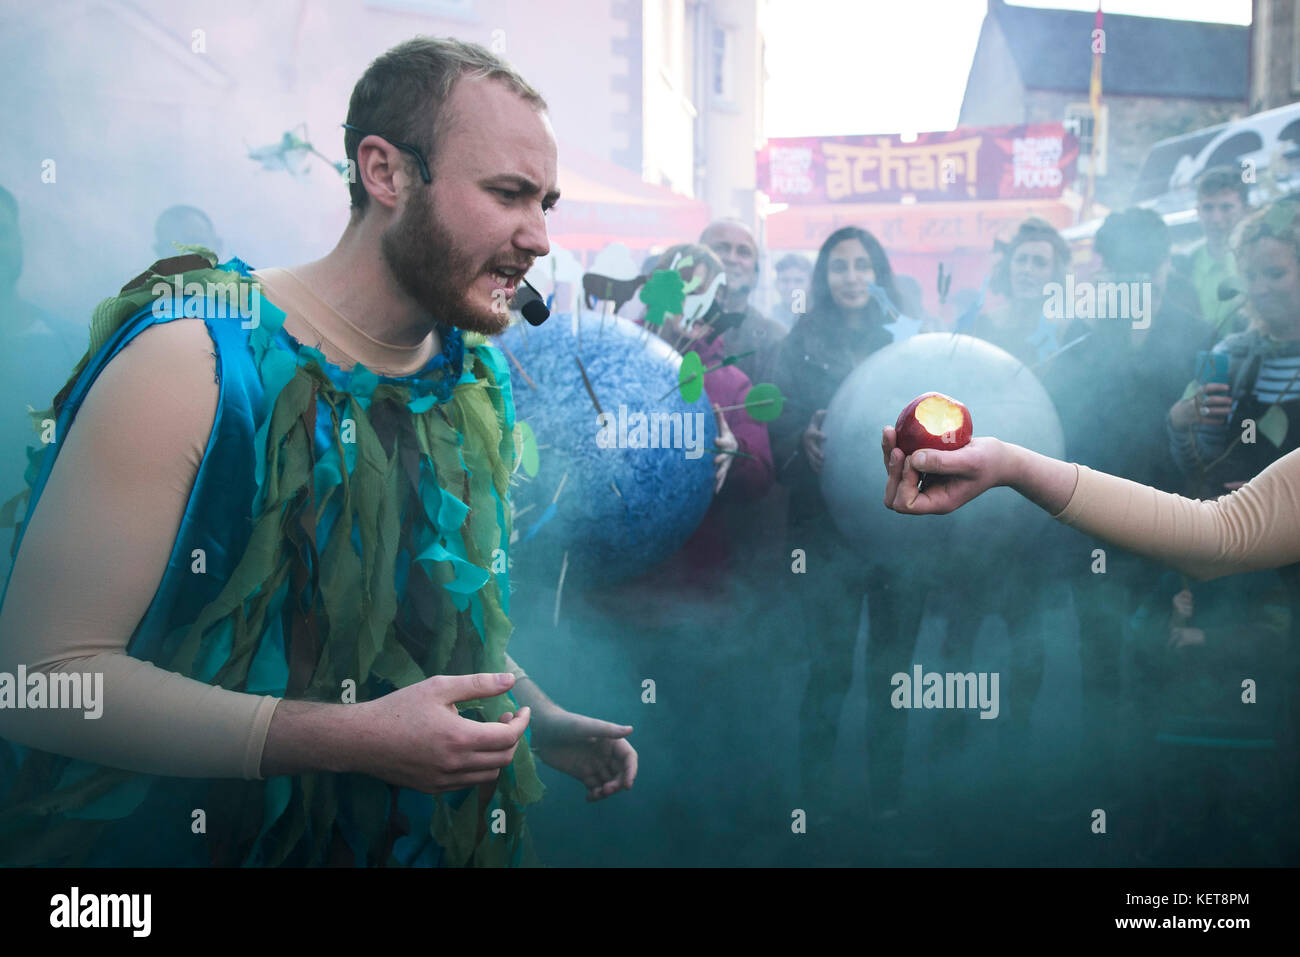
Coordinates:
432 270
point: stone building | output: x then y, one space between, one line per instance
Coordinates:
1160 78
1274 54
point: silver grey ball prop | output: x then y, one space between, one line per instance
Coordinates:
1005 400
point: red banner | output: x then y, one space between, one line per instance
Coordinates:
1030 161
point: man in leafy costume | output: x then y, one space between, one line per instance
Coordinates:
279 533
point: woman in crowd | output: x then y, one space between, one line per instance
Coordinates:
1208 430
845 324
1035 256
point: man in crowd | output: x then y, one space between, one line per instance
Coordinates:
735 245
793 277
1222 201
187 225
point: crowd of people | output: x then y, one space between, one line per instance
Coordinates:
1196 772
1196 402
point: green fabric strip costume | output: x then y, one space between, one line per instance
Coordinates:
356 530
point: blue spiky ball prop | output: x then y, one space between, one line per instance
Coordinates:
622 509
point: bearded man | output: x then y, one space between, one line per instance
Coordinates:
278 535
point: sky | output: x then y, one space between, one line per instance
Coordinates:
881 66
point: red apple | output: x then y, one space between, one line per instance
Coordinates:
933 421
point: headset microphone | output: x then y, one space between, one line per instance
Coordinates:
534 310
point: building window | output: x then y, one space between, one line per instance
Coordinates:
720 59
1079 121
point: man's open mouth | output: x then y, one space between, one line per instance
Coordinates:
506 275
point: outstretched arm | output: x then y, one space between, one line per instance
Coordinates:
1255 527
970 472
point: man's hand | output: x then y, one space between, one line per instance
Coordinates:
814 440
416 738
1184 608
593 751
725 442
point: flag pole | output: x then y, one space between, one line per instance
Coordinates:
1098 45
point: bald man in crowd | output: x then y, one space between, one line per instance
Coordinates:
734 243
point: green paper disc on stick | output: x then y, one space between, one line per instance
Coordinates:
691 376
764 402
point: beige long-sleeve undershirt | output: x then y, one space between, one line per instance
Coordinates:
96 549
1253 528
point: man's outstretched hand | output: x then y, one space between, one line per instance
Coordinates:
966 473
594 752
414 737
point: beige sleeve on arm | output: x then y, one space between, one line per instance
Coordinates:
1253 528
93 557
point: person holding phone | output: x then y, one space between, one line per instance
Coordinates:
1228 430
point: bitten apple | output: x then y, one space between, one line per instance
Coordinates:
933 421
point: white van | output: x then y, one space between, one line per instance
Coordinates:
1264 145
1267 145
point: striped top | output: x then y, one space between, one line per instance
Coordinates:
1279 380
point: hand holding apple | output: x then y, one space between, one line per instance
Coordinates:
981 464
